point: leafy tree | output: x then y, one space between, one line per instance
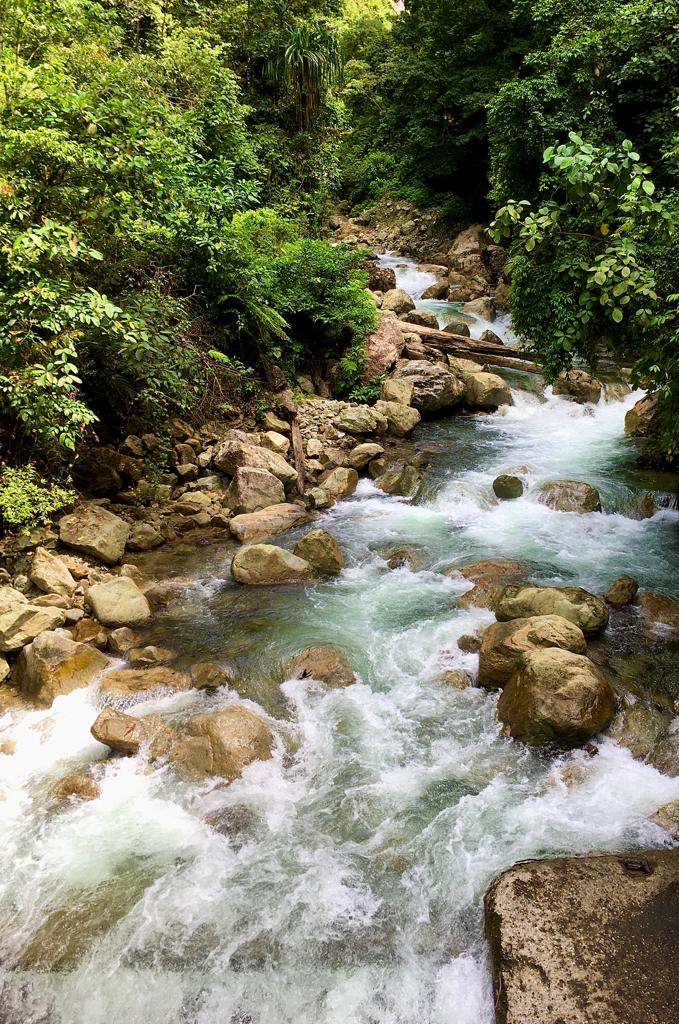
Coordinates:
587 262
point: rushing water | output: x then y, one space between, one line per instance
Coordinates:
340 882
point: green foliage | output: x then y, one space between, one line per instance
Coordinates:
26 499
585 278
368 392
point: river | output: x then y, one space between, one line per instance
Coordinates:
342 881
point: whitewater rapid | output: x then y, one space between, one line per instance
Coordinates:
342 881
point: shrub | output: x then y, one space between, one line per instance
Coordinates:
26 499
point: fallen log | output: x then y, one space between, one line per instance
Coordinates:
472 348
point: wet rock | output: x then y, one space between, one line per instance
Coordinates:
340 483
144 537
268 522
616 391
469 643
22 623
126 734
555 696
573 603
489 579
482 307
667 817
75 787
507 487
397 301
659 612
222 744
578 385
487 391
438 291
642 420
325 664
665 754
95 532
118 602
401 419
254 489
130 682
639 729
621 592
146 657
455 677
50 575
266 564
421 317
504 643
321 550
320 499
394 390
585 939
458 326
360 419
54 664
234 453
401 481
362 454
399 558
209 675
434 386
569 496
123 640
378 466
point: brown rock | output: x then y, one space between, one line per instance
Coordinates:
642 420
586 940
660 613
326 664
209 675
77 787
340 483
469 643
146 657
128 682
504 643
555 696
22 623
253 489
573 603
222 744
126 734
268 522
621 592
53 665
578 385
569 496
382 348
50 575
489 579
118 602
321 550
266 564
123 640
96 532
455 677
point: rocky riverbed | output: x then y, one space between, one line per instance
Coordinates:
273 722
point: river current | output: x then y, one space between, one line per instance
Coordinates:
342 881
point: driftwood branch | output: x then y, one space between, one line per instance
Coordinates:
436 341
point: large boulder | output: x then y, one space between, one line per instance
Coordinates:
397 301
621 592
360 419
320 549
466 253
50 574
144 537
555 696
276 442
573 603
640 729
483 307
394 390
487 391
569 496
118 602
401 419
234 452
457 325
94 531
382 348
124 683
340 483
21 624
586 940
10 597
438 290
400 480
659 613
254 489
434 386
642 419
507 487
265 564
53 665
126 734
222 744
251 527
326 664
504 643
578 385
